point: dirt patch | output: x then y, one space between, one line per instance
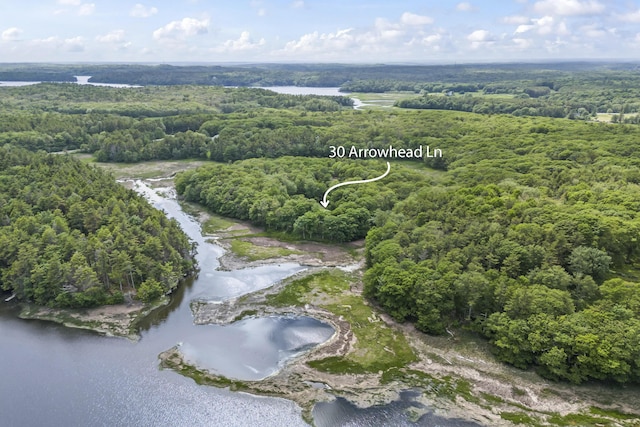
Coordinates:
457 376
152 169
305 253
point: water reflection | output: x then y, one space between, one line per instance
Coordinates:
254 348
53 375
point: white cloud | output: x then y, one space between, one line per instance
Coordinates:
11 34
429 40
543 26
243 43
82 9
464 6
115 36
480 38
412 19
186 27
569 7
524 28
383 30
389 38
86 9
321 42
630 17
298 4
515 20
593 31
433 42
142 11
522 43
73 44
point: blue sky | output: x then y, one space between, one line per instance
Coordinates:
364 31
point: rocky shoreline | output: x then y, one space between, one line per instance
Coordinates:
466 385
118 320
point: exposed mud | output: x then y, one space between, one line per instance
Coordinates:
111 320
463 380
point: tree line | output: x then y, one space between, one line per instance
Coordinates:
283 194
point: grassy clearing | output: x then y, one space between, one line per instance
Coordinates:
582 420
445 387
251 252
381 100
190 208
303 291
149 170
606 117
418 166
378 347
519 418
216 223
277 235
613 414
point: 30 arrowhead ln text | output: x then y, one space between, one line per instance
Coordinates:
339 151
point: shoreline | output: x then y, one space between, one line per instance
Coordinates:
296 380
454 382
457 377
118 320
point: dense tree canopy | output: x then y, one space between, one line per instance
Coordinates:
284 194
70 236
530 243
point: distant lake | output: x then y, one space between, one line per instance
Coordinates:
298 90
18 83
323 91
81 80
84 80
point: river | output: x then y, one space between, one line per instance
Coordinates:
322 91
287 90
81 80
56 376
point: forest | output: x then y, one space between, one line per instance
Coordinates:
72 237
524 232
282 194
575 90
351 77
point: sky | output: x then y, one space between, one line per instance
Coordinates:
342 31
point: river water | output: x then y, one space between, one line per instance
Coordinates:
55 376
322 91
81 80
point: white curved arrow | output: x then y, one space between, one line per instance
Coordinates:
325 202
